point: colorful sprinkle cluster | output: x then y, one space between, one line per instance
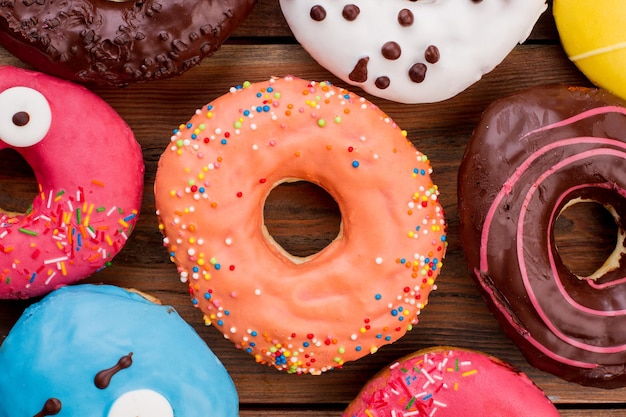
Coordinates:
415 387
63 237
224 162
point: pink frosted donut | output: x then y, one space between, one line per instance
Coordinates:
450 382
362 291
90 173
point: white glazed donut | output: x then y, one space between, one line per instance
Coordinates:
411 51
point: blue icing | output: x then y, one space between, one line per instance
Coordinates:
60 343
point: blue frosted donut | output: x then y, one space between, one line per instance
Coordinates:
99 350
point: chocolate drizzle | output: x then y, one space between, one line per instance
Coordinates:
51 407
103 378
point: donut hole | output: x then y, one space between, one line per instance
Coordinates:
586 235
18 185
297 206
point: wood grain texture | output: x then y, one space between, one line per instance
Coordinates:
456 315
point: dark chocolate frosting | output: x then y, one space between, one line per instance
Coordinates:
531 155
117 42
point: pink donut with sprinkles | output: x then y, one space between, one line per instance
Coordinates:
90 174
301 314
450 382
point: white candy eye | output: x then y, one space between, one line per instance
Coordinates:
141 403
25 116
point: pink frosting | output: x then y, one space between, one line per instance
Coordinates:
450 382
90 173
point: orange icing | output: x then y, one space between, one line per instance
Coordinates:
362 291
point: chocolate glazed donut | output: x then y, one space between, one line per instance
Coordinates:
533 155
117 42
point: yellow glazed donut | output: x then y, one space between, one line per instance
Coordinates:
362 291
593 36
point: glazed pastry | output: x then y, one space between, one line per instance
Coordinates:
533 155
90 183
301 314
113 42
99 350
411 51
592 34
450 382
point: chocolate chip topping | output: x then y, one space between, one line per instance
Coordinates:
382 82
20 118
318 13
417 72
391 50
359 73
51 407
405 17
350 12
432 54
103 378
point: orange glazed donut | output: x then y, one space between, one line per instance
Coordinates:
362 291
90 173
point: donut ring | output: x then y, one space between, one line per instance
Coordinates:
362 291
113 354
90 183
117 42
411 51
450 382
553 147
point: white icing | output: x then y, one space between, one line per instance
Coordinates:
472 38
29 101
141 403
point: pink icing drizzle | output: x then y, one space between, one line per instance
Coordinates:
506 190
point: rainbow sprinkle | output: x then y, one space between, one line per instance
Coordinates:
61 234
415 386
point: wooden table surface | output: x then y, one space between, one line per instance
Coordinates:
304 219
